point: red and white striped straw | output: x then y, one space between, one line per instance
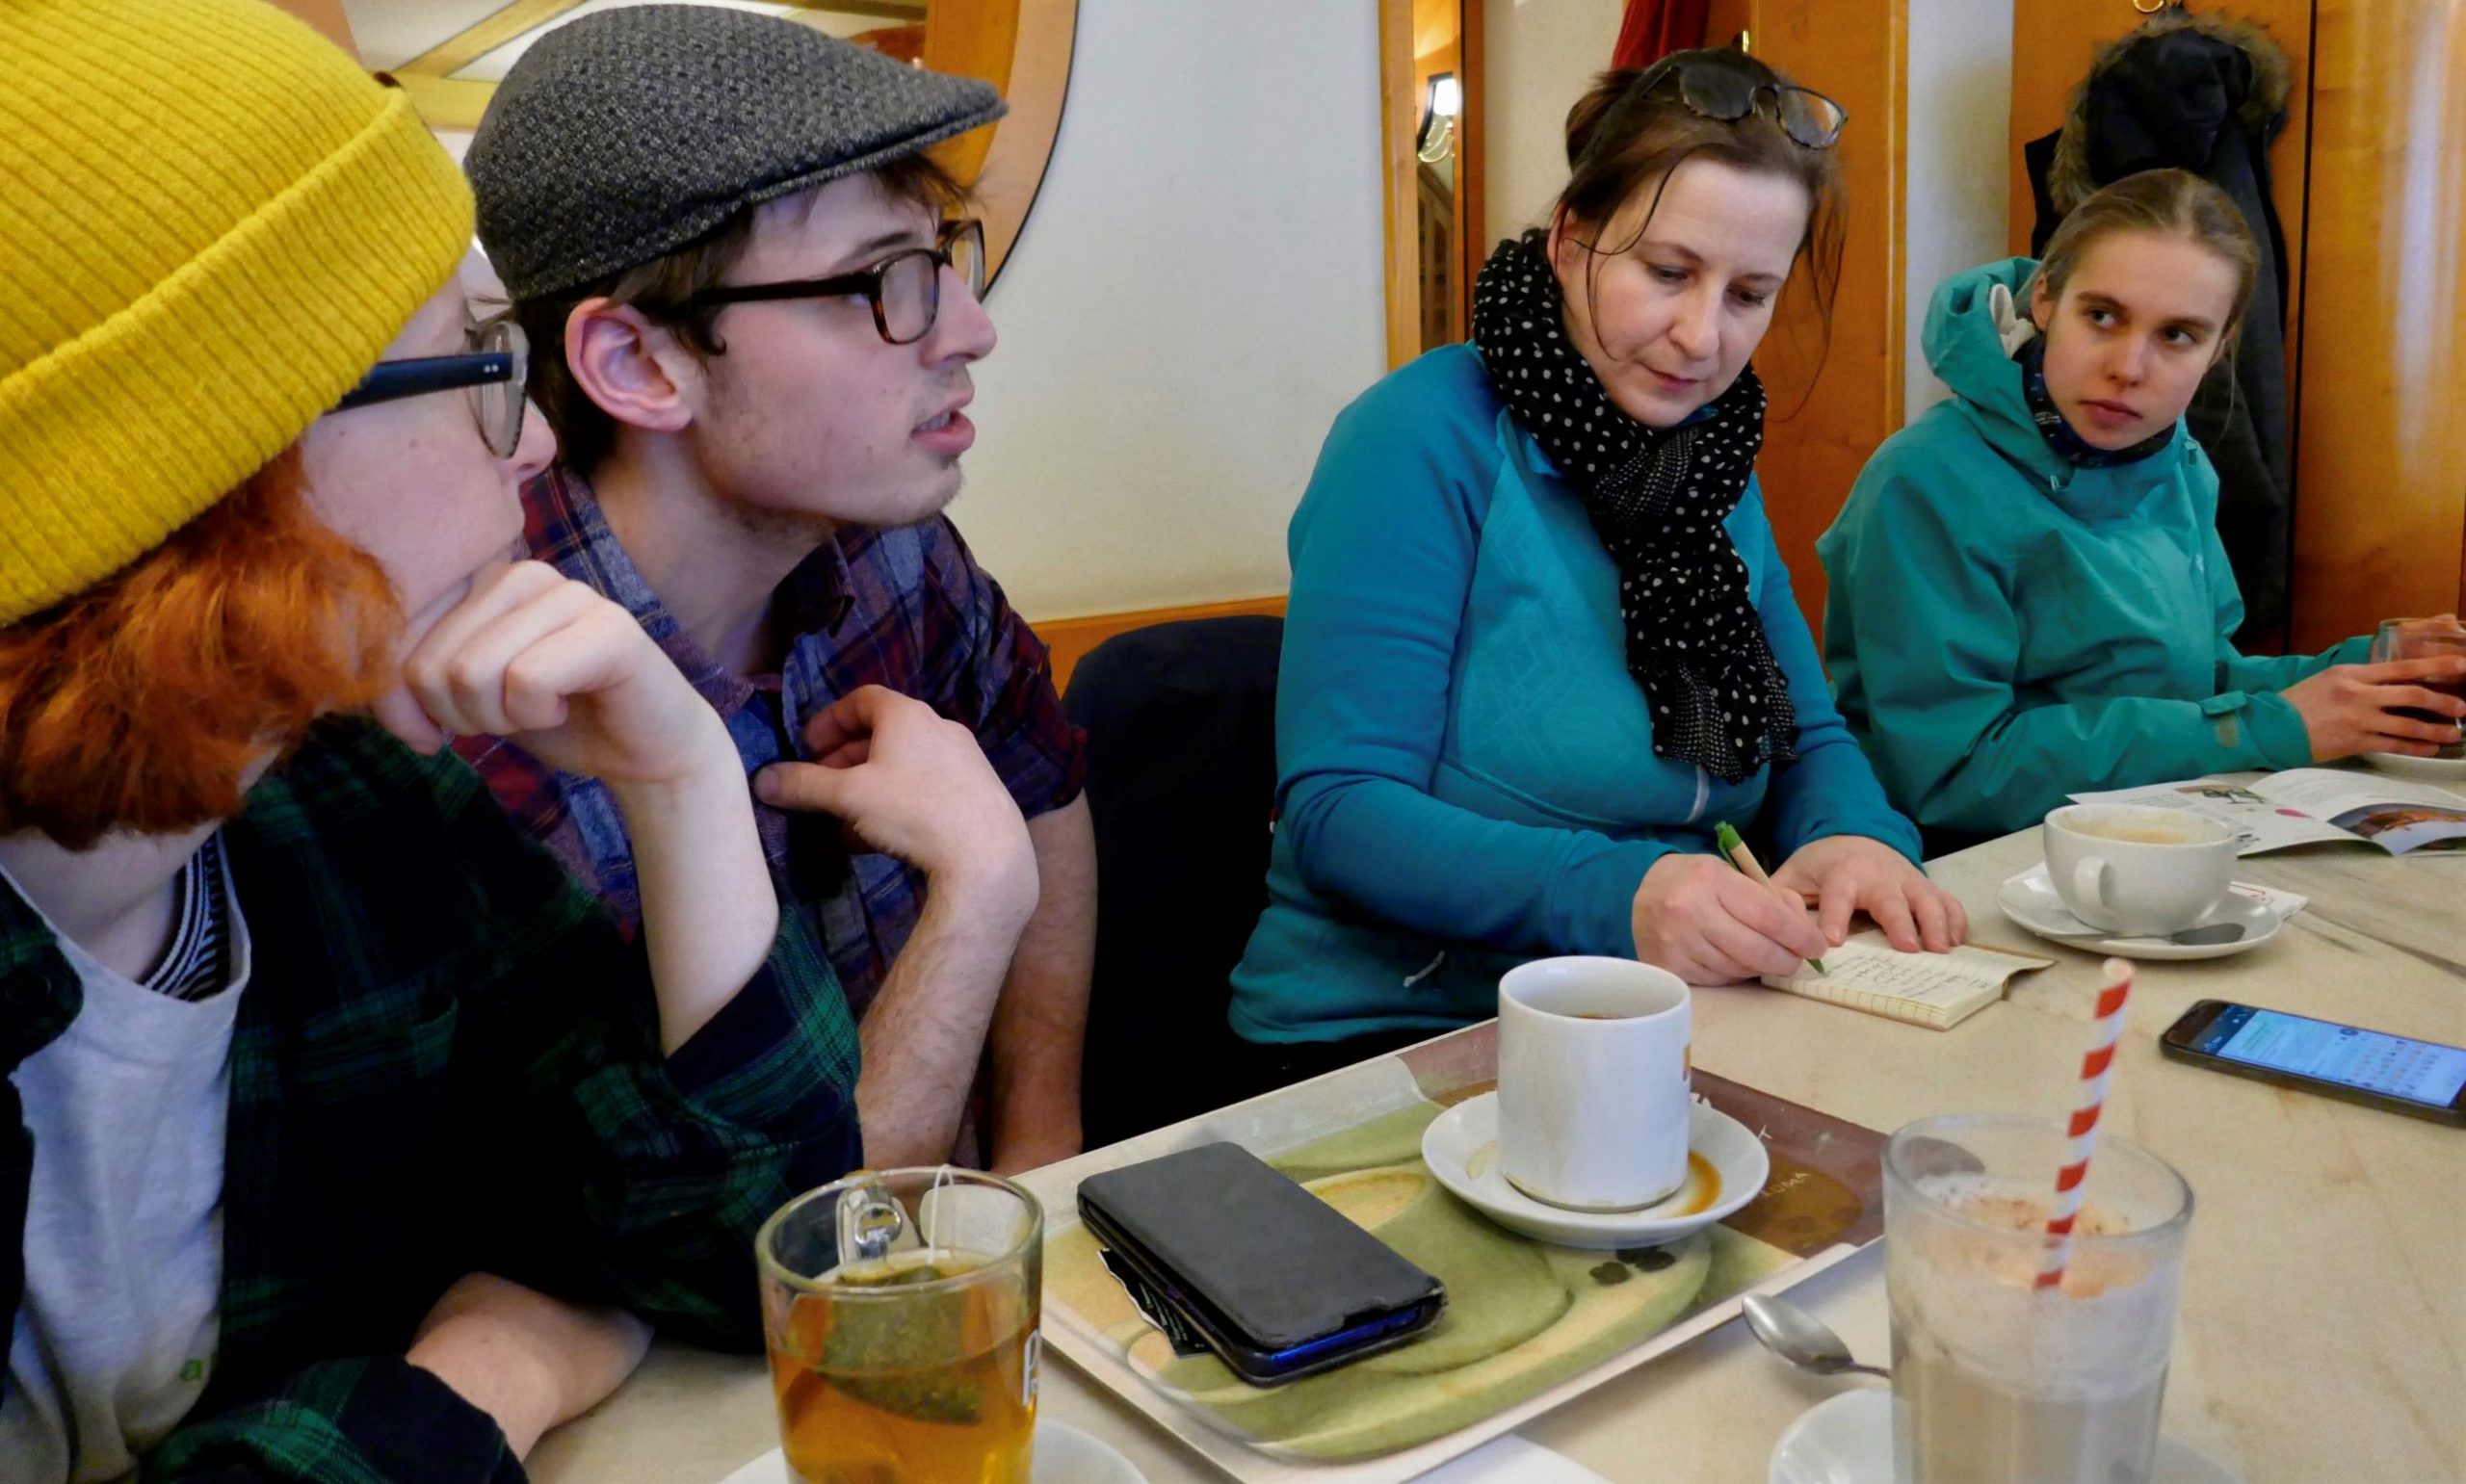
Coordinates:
2096 1067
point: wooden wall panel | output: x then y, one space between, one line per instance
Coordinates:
1824 424
2381 442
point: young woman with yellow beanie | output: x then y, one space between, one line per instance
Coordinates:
295 1030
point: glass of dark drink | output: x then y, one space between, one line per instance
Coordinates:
2424 639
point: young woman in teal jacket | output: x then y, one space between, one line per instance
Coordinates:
1539 642
2027 597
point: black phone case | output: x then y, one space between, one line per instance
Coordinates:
1271 1265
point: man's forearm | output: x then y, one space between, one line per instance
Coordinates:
924 1033
1040 1024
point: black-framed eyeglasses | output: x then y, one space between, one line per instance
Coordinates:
1727 96
904 289
492 370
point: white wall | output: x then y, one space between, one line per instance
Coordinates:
1960 106
1542 55
1199 290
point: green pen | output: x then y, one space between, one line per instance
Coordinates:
1743 859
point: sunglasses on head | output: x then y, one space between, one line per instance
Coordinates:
1726 94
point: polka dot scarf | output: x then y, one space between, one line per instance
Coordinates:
1657 497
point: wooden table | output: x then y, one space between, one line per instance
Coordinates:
2323 1328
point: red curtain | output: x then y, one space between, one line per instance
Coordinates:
1655 28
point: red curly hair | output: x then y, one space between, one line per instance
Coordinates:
140 703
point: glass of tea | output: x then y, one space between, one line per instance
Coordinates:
2424 639
900 1311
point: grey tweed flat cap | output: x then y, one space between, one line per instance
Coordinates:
631 132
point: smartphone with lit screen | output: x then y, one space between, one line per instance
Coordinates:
2394 1073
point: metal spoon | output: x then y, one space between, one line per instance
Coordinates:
2208 933
2202 936
1802 1339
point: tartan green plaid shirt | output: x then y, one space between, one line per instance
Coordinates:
447 1061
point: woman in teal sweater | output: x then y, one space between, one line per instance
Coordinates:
2029 598
1539 642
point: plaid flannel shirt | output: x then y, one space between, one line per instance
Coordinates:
447 1060
907 609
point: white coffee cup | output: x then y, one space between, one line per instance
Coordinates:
2139 872
1594 1070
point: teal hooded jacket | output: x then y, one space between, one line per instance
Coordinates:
2005 628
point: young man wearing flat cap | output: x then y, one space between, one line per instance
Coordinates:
753 307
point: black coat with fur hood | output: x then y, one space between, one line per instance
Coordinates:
2205 94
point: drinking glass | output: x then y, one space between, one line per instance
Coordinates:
2423 639
1995 1380
899 1312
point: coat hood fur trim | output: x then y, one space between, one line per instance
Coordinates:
2069 178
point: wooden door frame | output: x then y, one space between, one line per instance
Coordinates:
1400 203
1399 122
1472 135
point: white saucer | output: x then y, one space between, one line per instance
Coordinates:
2437 769
1064 1455
1849 1441
1461 1147
2030 900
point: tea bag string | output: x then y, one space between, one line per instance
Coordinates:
933 1207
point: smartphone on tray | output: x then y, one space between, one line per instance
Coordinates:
2394 1073
1276 1282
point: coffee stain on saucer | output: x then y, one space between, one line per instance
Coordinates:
1703 1185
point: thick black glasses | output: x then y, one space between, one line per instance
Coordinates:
1722 93
492 372
904 289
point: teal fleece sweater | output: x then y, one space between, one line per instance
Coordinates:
2005 628
1465 769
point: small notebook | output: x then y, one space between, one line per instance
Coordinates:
1940 990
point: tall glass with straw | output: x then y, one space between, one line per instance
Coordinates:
2032 1291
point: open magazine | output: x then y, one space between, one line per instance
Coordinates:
2314 806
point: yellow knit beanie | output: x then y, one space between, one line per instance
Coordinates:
212 222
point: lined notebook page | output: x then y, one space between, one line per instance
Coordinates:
1940 990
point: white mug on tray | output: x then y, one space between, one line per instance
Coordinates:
1594 1106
